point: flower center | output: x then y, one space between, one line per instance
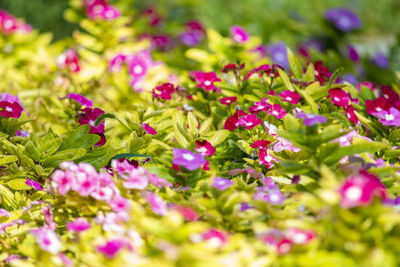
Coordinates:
8 109
353 193
207 83
389 117
137 69
337 99
299 238
188 157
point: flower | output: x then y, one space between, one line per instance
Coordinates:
299 236
47 239
119 203
33 184
358 190
11 109
265 158
350 114
193 35
100 9
116 63
205 148
343 19
377 105
260 144
222 183
352 52
78 225
278 54
164 91
157 205
283 144
111 248
228 100
277 111
89 116
238 34
148 129
270 195
231 122
311 119
205 80
215 237
389 118
380 60
322 73
188 159
4 213
339 97
70 60
137 66
290 96
260 106
80 99
232 67
248 121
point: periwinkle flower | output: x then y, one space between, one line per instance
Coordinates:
188 159
344 19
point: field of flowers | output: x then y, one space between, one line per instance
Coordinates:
146 138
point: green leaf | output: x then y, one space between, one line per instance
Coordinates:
394 136
193 124
19 184
309 76
8 197
294 64
205 126
161 172
334 77
6 159
218 137
245 147
285 79
99 157
104 116
310 101
64 155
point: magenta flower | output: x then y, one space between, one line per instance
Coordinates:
277 111
150 130
390 95
62 181
249 121
47 239
205 148
352 52
339 97
157 205
89 117
188 159
119 203
164 91
4 213
389 118
33 184
350 114
343 19
111 248
311 119
358 190
80 99
205 80
239 35
283 144
215 237
232 67
260 144
322 73
100 9
137 67
193 35
11 109
228 100
116 63
265 158
377 105
260 106
230 123
78 225
270 195
9 24
291 97
69 60
299 236
222 183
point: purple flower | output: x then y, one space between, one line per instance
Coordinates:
33 184
389 118
272 196
278 54
343 19
111 248
22 133
380 60
4 213
188 159
238 34
311 119
80 99
222 183
245 206
352 53
191 38
351 78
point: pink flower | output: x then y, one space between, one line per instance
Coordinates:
291 97
188 159
157 205
222 183
148 129
4 213
249 121
299 236
339 97
378 105
238 34
111 248
34 184
100 9
389 118
283 144
80 99
119 203
78 225
116 63
321 73
231 122
358 190
164 91
188 213
47 239
137 67
260 144
365 84
62 181
277 111
232 67
215 237
70 60
135 178
205 148
228 100
265 158
205 80
11 109
260 106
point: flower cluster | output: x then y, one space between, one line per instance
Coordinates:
100 9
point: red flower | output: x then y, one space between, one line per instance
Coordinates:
339 97
232 67
291 97
228 100
164 91
350 114
230 123
321 73
205 148
390 95
205 80
148 129
260 144
11 109
377 105
89 116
